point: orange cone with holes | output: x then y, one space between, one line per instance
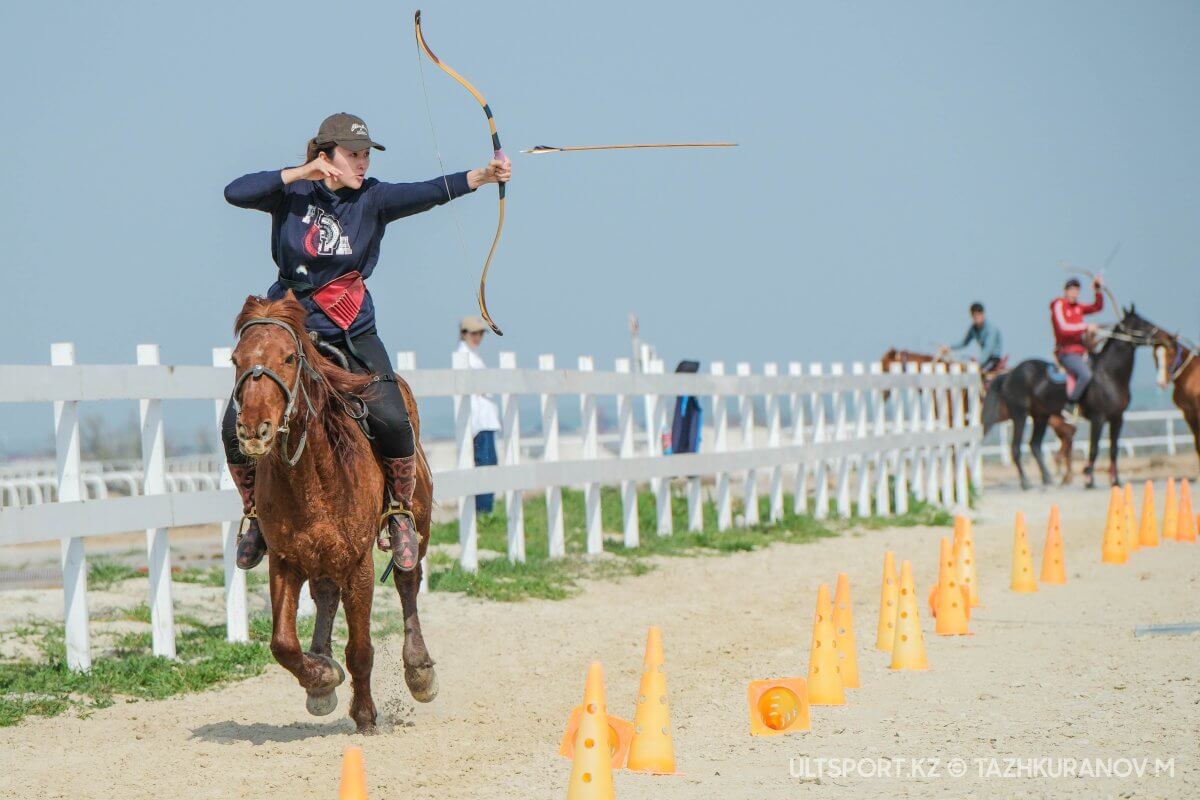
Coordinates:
1112 551
825 686
908 651
591 768
1148 535
652 749
354 775
1022 565
1130 525
889 593
1170 513
964 557
1054 569
952 601
843 623
1186 532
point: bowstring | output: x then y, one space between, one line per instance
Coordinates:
437 149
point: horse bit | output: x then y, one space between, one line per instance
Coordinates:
289 394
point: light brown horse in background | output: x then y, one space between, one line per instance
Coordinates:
320 495
1177 363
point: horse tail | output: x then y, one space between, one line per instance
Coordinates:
993 404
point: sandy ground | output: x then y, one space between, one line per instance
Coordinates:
1058 674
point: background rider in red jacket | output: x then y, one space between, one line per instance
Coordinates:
1066 315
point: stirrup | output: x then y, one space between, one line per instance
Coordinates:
247 517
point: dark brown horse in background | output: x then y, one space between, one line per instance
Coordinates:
1177 363
320 495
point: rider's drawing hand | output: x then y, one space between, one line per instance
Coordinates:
317 169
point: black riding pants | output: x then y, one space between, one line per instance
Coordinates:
386 412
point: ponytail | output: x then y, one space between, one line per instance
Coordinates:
312 149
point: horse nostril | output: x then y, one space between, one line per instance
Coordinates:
264 430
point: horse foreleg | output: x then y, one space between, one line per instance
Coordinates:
360 653
1093 452
418 666
1018 433
1035 444
1114 438
318 674
1066 445
326 595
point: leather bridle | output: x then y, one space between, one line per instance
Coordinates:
290 394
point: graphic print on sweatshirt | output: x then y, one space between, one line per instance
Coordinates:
324 236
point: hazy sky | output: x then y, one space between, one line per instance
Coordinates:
897 161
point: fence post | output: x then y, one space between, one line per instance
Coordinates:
929 411
879 430
961 452
841 433
721 445
774 440
975 420
900 486
945 451
1170 436
406 361
554 511
800 490
158 545
916 416
820 435
237 623
591 451
629 499
468 531
862 464
750 487
662 488
70 489
514 500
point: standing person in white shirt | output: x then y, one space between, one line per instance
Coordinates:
485 414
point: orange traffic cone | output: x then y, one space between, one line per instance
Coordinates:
354 775
1112 551
1148 535
909 649
1170 513
825 686
953 600
1187 519
1130 527
964 557
652 749
843 623
889 592
620 735
778 706
591 768
1022 566
1053 568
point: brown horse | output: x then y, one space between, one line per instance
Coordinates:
1177 363
320 495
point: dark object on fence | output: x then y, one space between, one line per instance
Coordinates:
685 429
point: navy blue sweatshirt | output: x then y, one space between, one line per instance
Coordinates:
318 234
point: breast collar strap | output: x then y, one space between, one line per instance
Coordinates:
290 394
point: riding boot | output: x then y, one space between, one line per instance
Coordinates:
400 478
251 546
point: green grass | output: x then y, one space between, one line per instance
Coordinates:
215 576
554 579
104 572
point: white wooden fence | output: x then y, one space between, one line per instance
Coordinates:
856 443
1175 435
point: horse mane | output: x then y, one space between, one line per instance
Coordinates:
331 392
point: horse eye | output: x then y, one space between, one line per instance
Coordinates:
291 359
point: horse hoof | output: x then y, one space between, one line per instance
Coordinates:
422 683
368 729
1025 486
321 705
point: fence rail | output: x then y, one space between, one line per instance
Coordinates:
842 442
1175 435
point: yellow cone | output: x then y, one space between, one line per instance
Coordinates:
1130 527
591 768
824 681
1112 551
1054 569
964 556
909 649
1148 535
843 623
1170 513
1186 531
652 749
620 734
889 592
778 706
1022 561
952 602
354 775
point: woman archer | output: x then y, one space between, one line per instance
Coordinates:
327 222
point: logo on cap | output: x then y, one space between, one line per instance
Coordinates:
359 128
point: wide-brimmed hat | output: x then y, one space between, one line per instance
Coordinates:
346 130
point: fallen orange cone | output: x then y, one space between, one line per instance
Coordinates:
1054 569
591 768
652 749
1022 565
354 775
1186 531
1129 528
1148 535
952 600
889 592
1170 513
1112 550
909 649
778 706
825 686
843 623
620 735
